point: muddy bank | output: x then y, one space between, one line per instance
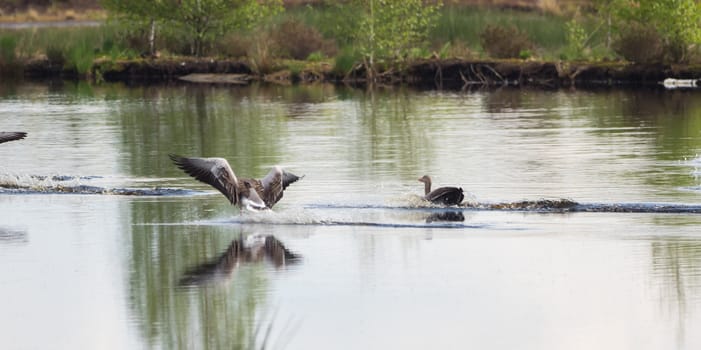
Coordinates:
447 73
461 73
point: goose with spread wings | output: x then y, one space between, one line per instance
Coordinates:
441 195
244 192
6 136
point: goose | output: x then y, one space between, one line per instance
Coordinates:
246 193
6 136
442 195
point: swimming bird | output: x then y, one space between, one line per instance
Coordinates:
6 136
244 192
442 195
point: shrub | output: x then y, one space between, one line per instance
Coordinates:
316 56
260 53
232 45
457 48
81 56
297 40
640 43
345 61
55 55
504 42
8 45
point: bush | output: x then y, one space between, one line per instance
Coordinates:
640 43
55 55
8 45
80 57
233 45
260 53
297 40
504 42
345 61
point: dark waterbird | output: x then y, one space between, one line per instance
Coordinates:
253 249
442 195
6 136
244 192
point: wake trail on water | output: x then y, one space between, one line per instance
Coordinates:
540 206
84 185
68 184
302 217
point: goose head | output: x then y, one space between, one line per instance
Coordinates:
427 183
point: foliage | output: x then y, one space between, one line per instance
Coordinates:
260 52
504 41
81 56
335 20
576 39
640 43
316 56
55 55
8 46
678 22
345 61
297 40
390 28
200 22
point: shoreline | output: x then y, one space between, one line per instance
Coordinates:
436 73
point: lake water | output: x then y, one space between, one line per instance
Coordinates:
105 244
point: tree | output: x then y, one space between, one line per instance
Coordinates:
678 22
138 12
200 21
389 28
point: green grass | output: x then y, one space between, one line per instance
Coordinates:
466 23
76 41
458 30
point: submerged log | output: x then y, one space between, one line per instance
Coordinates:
238 79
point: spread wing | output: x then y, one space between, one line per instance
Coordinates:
289 178
213 171
272 186
11 136
275 183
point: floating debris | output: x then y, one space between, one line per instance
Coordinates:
671 83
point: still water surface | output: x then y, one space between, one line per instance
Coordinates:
364 267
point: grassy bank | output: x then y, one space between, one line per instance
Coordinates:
317 34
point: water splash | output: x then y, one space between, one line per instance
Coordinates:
68 184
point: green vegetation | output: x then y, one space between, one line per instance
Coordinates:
198 22
390 28
674 23
368 36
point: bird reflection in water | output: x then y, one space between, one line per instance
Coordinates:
250 250
452 216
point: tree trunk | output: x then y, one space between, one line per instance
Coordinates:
152 39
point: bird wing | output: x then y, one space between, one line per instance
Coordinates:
275 183
213 171
11 136
289 178
272 186
446 195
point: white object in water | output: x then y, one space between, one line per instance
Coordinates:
671 83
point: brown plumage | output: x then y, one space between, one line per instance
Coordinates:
246 193
6 136
442 195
